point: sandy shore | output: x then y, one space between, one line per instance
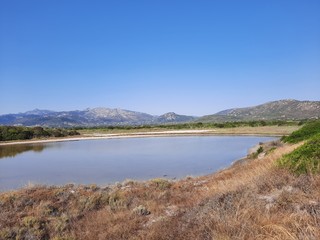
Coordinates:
114 135
97 136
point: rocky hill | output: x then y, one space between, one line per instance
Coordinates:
276 110
174 118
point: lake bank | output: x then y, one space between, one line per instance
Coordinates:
277 131
114 160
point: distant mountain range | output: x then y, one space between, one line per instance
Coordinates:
276 110
89 117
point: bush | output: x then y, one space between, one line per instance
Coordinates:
307 131
305 159
8 133
260 150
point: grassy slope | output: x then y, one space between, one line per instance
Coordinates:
305 159
306 132
253 199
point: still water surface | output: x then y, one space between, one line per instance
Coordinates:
112 160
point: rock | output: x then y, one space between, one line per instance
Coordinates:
141 210
261 155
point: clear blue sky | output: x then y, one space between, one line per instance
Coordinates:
190 57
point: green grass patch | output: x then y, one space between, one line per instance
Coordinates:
305 159
307 131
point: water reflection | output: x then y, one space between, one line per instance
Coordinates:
112 160
13 150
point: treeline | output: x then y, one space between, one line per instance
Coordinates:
199 125
8 133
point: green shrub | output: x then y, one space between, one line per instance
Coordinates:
305 159
8 133
260 150
307 131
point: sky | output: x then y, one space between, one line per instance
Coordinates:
189 57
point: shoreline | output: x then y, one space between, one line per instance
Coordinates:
235 163
172 133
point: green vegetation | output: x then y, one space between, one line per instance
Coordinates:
260 150
306 158
256 154
307 131
9 133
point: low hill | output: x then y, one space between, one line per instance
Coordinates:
174 118
276 110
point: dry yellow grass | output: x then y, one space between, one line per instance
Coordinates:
263 130
250 200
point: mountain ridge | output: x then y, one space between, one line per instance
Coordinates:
89 117
287 109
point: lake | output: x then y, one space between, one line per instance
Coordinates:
114 160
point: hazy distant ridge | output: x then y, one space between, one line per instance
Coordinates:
276 110
89 117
